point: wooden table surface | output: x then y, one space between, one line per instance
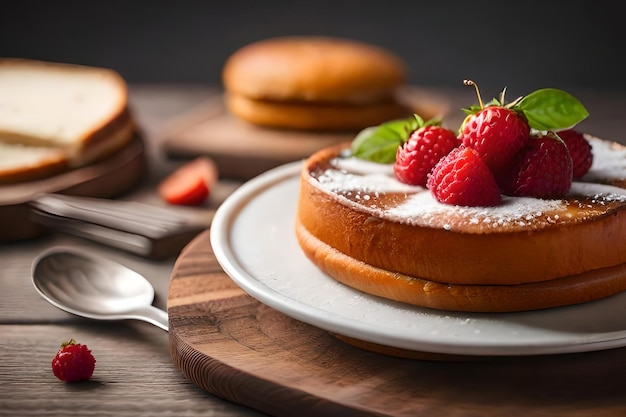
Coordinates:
134 373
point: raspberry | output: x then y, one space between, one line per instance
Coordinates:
462 178
543 169
579 149
422 150
497 134
73 362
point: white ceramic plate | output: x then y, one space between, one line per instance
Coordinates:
252 235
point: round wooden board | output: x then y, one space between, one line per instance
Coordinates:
108 178
234 347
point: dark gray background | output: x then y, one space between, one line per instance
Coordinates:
523 45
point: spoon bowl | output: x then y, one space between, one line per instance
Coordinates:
94 287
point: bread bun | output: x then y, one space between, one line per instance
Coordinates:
371 232
314 117
291 81
314 69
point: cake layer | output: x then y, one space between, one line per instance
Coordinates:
361 210
574 289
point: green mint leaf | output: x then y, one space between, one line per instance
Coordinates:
380 143
552 109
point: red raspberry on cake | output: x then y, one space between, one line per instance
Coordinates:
579 149
494 151
497 132
543 169
462 178
416 158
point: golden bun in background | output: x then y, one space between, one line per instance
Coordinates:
314 83
303 116
314 69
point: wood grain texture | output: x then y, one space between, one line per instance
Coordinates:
134 375
241 350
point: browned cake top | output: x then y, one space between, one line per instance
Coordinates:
372 188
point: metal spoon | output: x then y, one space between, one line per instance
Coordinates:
96 288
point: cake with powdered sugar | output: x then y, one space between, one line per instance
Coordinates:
357 222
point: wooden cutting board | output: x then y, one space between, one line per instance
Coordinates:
242 151
108 178
239 349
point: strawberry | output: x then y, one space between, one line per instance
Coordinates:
543 169
494 153
462 178
190 184
73 362
421 152
579 149
496 132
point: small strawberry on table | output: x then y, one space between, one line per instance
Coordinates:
73 362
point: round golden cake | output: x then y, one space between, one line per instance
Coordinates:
356 222
314 83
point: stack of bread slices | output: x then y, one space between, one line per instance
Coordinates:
55 117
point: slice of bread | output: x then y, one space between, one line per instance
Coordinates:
78 113
20 163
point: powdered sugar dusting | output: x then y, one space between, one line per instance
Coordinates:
361 166
422 209
340 181
375 190
609 160
599 193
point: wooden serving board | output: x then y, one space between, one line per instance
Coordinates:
236 348
243 151
108 178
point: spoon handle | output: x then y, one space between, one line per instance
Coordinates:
154 315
